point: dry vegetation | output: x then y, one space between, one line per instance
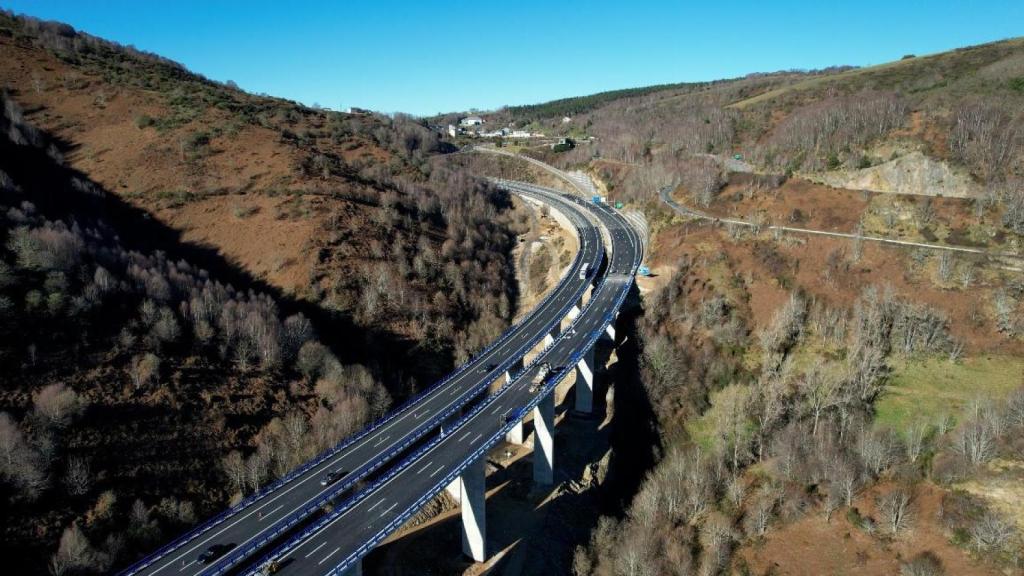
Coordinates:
769 421
200 288
815 392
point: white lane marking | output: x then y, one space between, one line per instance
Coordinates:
329 555
496 409
186 566
382 500
382 440
463 437
475 438
274 510
384 513
425 467
436 471
322 544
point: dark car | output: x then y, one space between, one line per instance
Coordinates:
212 553
332 477
488 368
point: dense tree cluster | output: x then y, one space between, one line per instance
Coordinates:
808 427
815 136
91 329
987 135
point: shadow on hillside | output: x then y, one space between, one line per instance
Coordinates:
48 186
535 529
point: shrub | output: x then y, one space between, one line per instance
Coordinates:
923 564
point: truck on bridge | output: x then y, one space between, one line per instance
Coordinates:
542 374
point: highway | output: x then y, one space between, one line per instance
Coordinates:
242 531
340 539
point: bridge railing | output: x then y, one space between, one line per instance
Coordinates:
447 479
258 496
229 561
480 452
235 556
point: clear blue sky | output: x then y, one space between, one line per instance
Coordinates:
428 56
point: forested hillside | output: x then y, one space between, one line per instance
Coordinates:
817 392
201 288
341 210
827 393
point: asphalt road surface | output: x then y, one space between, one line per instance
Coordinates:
291 502
337 541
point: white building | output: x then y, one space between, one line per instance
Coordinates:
452 130
471 121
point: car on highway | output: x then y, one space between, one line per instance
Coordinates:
488 368
332 477
212 553
514 415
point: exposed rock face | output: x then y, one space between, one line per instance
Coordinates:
913 173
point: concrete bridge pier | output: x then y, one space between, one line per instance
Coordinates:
513 370
585 382
515 435
544 440
609 332
577 309
474 514
550 337
453 488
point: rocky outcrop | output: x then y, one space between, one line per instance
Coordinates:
913 173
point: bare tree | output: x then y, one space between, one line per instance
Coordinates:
894 510
975 442
12 442
991 533
915 437
646 507
234 468
143 369
19 462
57 404
944 272
1015 408
760 513
717 536
635 558
820 391
78 478
847 477
257 468
74 552
732 427
875 449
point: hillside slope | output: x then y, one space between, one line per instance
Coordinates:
130 373
200 288
811 388
341 210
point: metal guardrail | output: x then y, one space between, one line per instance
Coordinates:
331 452
235 556
480 452
406 462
